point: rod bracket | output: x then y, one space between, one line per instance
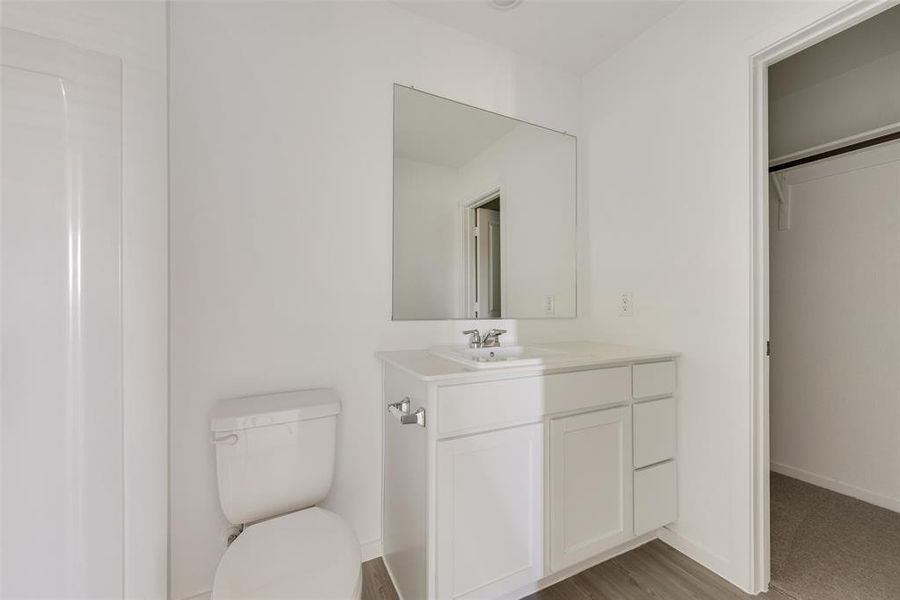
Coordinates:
784 201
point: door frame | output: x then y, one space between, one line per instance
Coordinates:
826 27
467 219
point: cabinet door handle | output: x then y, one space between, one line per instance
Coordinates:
401 411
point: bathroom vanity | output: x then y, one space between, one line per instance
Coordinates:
502 478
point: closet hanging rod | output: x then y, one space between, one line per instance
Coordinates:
881 139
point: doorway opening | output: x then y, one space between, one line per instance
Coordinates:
484 264
826 321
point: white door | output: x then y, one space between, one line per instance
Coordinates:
62 457
489 513
590 484
487 259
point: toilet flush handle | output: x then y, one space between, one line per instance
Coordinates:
231 439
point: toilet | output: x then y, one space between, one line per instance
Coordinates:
275 461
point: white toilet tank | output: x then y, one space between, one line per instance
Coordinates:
274 453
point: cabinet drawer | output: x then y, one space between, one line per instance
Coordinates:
654 379
655 497
493 403
654 432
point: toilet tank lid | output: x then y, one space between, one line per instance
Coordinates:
272 409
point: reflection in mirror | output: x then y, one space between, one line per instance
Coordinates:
484 214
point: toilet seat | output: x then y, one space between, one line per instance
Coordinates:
308 554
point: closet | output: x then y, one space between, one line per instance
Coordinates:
834 315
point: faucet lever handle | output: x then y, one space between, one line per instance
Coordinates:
474 339
492 337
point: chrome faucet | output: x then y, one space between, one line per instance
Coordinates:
474 338
491 339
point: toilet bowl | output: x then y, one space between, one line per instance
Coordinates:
310 553
275 460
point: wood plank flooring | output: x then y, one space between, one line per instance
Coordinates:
377 584
653 571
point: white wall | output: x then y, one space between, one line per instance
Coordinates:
426 262
135 32
281 225
835 326
666 126
846 85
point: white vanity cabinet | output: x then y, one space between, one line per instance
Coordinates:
489 515
590 473
516 477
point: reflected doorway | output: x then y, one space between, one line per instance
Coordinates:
484 280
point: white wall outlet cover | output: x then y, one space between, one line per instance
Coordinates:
626 304
549 304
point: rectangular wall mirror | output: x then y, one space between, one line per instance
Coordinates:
484 214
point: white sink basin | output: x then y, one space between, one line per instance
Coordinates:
501 356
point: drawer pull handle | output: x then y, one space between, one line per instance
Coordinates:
401 411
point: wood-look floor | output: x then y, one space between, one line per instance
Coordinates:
653 571
377 584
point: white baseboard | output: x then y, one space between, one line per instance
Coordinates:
699 554
371 549
200 596
837 486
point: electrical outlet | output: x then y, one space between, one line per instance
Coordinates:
549 305
626 304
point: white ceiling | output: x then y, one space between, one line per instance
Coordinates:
572 35
443 132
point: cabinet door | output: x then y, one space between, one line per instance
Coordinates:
590 484
489 512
